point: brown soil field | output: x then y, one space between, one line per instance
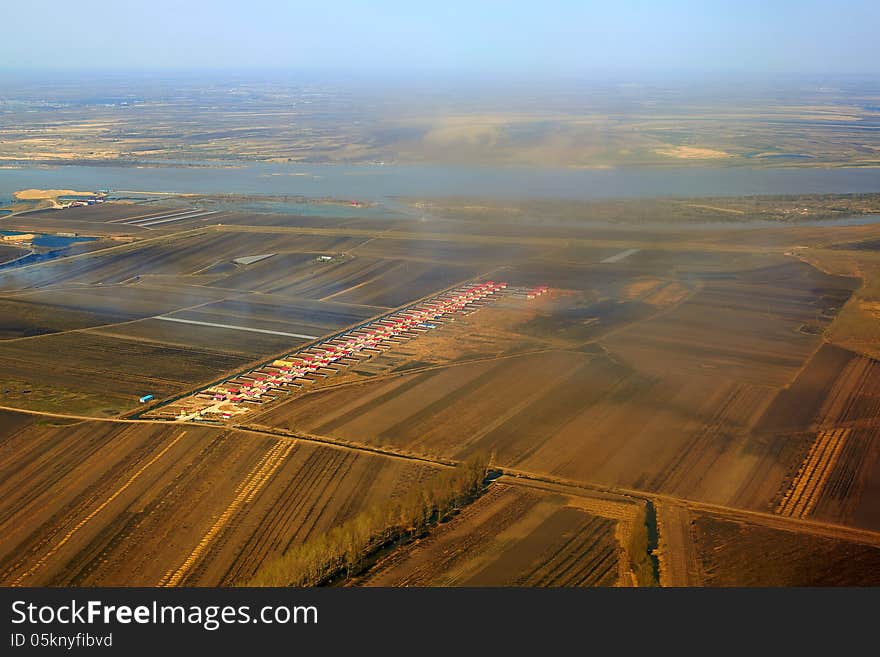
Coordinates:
864 245
269 312
185 254
443 411
122 217
276 274
493 331
28 317
9 252
797 405
568 414
512 536
86 373
103 219
110 218
12 421
54 310
850 491
579 267
359 280
835 404
454 252
236 217
56 223
854 399
856 327
98 309
105 503
250 346
655 215
400 281
698 367
678 404
748 328
578 318
740 554
705 264
807 486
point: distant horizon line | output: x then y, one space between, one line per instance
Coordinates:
444 73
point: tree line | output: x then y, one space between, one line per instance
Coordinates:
344 550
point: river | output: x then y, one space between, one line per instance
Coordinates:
375 182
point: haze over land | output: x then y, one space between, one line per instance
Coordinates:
581 84
220 118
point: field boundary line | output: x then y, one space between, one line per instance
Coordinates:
342 444
142 217
233 327
764 518
676 553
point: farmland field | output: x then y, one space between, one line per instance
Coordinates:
677 398
55 310
358 280
620 380
73 371
141 504
9 252
241 344
556 415
733 553
281 314
516 536
838 476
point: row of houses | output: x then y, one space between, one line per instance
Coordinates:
309 365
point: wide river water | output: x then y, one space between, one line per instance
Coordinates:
375 182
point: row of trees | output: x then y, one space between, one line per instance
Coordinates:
343 550
642 546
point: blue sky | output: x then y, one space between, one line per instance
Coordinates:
546 37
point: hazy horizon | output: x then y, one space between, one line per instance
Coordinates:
559 39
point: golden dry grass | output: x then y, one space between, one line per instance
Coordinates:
40 194
692 153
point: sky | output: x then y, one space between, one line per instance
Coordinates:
537 38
